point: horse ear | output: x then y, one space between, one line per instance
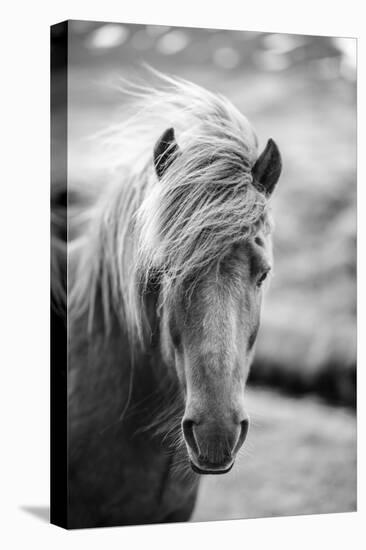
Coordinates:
267 168
165 152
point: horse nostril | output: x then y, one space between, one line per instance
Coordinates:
187 426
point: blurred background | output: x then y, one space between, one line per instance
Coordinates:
300 90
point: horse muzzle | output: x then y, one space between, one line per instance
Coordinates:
212 447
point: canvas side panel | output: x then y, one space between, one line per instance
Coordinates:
59 57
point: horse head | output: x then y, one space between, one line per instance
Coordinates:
211 285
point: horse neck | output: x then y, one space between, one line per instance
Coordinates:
117 378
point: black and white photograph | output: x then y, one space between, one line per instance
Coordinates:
203 274
182 267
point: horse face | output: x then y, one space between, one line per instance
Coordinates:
210 326
209 333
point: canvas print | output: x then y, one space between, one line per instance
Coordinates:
203 274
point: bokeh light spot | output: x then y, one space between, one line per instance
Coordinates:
108 36
173 42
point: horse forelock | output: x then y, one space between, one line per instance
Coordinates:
176 226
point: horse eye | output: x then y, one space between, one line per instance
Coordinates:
262 278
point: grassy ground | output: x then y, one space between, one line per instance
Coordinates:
299 458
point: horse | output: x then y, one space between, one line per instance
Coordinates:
166 270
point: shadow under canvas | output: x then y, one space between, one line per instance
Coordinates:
40 512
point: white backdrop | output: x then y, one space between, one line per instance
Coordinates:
24 272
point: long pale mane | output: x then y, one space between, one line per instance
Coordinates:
140 227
